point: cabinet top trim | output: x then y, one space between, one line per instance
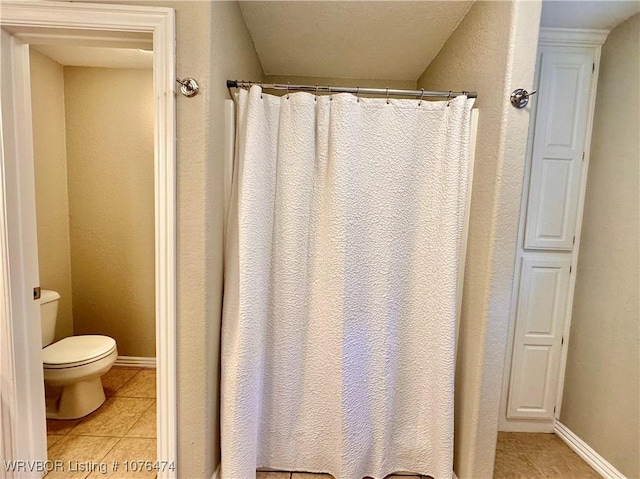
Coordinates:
578 36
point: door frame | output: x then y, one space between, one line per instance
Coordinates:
22 392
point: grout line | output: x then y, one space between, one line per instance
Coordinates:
153 404
112 448
81 421
535 466
134 423
126 382
93 435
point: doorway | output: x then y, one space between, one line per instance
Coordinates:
57 23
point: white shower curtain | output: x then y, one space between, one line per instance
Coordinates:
340 285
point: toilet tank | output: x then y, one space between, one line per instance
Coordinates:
48 315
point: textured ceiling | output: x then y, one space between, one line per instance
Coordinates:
97 56
357 39
603 15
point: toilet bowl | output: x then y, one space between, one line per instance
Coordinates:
73 366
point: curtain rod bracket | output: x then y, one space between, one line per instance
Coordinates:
188 86
520 97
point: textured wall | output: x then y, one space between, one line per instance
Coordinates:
111 204
346 39
602 385
52 204
492 51
198 301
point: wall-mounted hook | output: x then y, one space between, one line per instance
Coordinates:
188 87
520 97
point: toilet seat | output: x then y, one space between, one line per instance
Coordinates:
75 351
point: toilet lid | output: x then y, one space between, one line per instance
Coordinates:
74 349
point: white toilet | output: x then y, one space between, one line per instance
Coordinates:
73 366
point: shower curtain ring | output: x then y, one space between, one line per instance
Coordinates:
358 94
421 97
449 97
315 98
330 97
387 96
287 90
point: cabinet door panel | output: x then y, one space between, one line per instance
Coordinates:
541 309
558 148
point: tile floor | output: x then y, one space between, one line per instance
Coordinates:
518 456
537 456
122 429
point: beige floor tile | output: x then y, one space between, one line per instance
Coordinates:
114 418
61 427
272 475
515 465
146 425
51 440
533 455
78 455
524 441
555 444
132 456
507 441
116 377
142 385
566 465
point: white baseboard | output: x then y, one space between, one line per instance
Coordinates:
590 456
136 362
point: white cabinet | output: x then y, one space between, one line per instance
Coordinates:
557 152
549 230
558 147
541 308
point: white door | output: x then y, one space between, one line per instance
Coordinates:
558 147
541 309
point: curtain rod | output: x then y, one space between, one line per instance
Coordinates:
347 89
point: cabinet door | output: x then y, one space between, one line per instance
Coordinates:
558 148
541 310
